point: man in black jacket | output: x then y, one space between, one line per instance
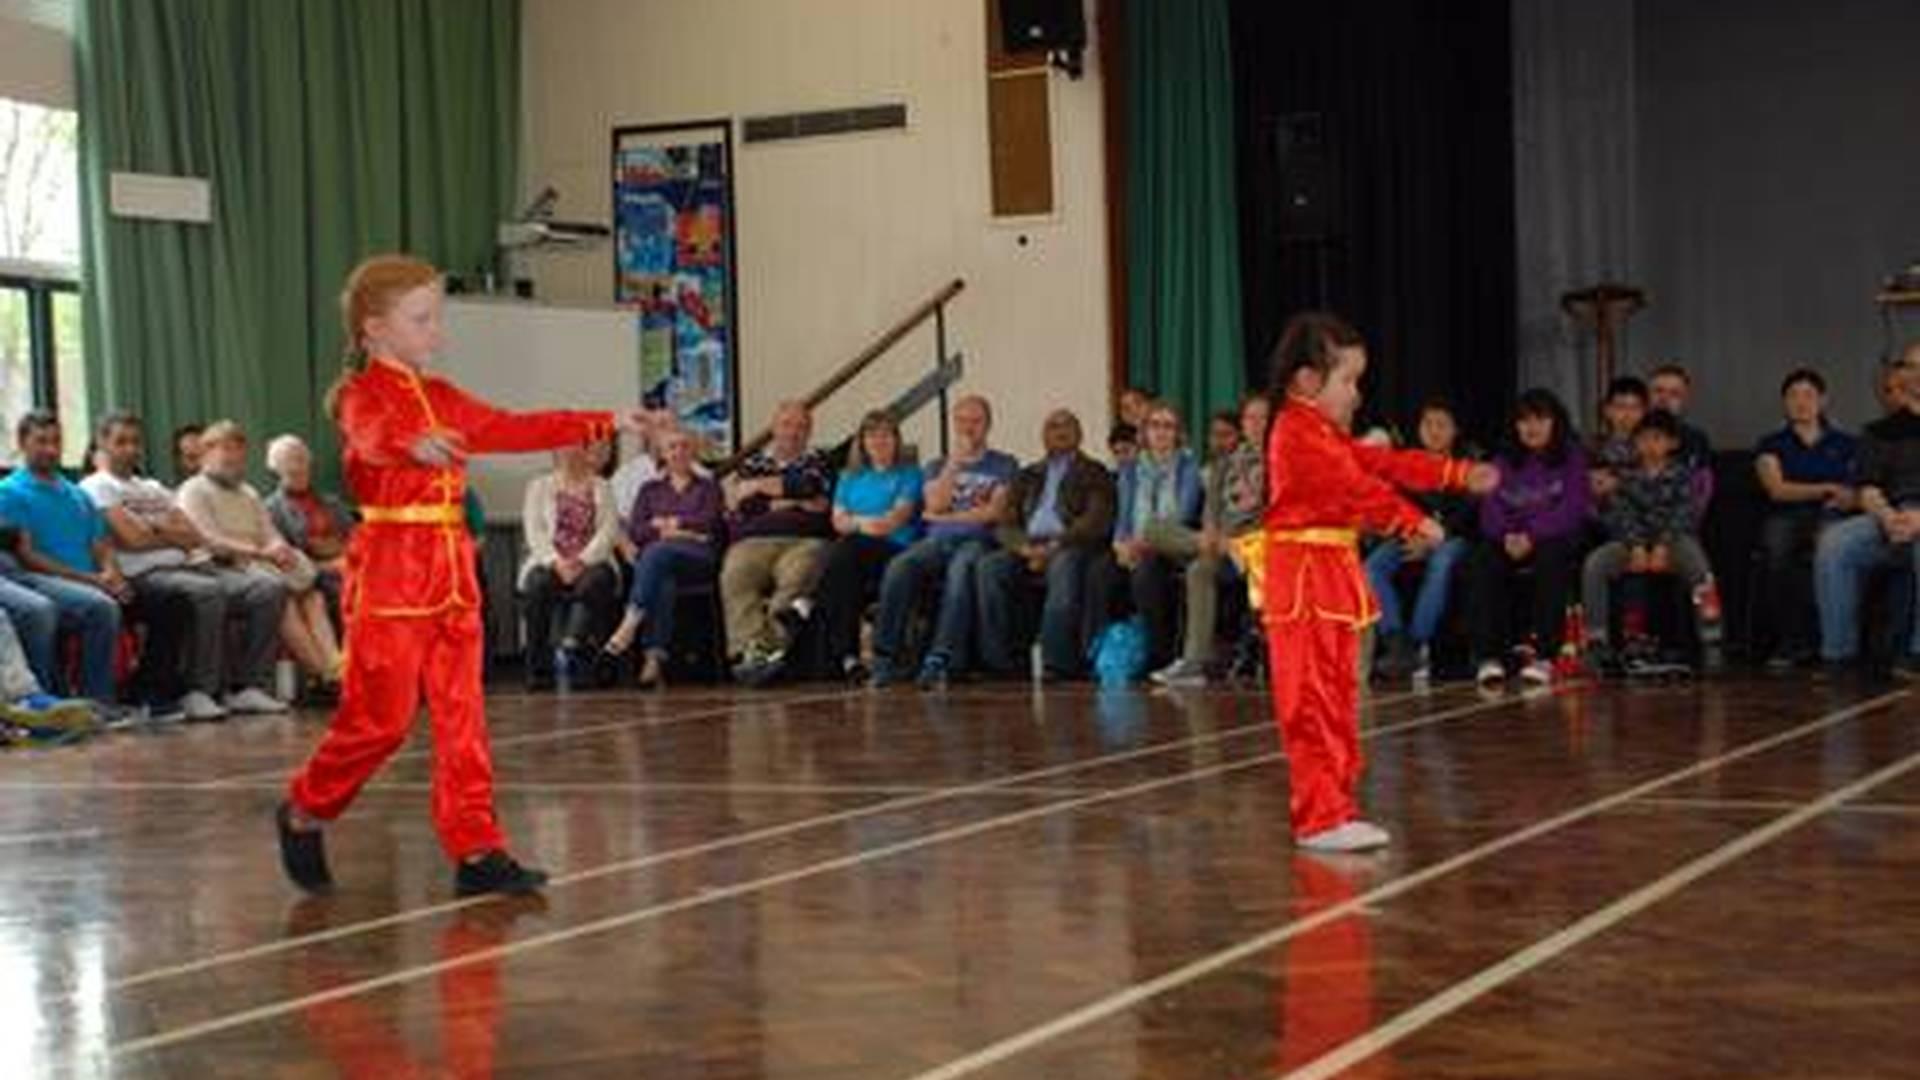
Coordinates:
1054 532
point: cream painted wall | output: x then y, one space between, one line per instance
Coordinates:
36 63
839 236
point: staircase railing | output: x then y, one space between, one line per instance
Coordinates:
945 371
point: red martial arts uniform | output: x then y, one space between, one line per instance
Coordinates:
1323 488
411 602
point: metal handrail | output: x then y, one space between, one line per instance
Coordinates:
934 307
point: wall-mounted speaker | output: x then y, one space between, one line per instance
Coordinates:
1042 26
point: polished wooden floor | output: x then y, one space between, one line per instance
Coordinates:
1700 880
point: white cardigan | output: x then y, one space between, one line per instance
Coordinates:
536 521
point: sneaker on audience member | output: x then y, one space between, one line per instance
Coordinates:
886 673
200 708
254 700
1491 673
1181 673
1537 673
934 674
64 714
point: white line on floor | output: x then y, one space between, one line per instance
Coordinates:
727 892
1491 978
1777 805
751 836
9 839
1133 996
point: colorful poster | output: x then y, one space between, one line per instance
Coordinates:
674 264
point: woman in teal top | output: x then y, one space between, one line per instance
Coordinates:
876 513
1154 533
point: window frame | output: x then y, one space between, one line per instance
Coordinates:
40 284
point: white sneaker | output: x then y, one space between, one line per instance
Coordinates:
1181 672
1353 836
254 700
200 707
1537 673
1491 673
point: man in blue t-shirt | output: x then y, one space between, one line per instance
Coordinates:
64 551
1806 469
963 496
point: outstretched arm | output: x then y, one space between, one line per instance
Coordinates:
489 430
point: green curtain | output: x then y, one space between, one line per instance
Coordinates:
1183 241
329 130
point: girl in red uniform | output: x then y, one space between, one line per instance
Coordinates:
1323 489
411 603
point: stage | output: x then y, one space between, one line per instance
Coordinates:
1695 879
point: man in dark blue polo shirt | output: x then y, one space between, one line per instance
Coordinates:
65 551
1806 469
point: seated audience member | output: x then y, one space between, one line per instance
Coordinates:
186 452
1123 443
1649 523
172 569
233 518
1670 389
1613 456
963 497
643 458
1131 408
570 527
1806 469
1053 533
676 530
316 523
1533 518
1154 529
1892 388
1235 497
780 499
1888 472
876 505
23 702
1223 436
1403 644
65 556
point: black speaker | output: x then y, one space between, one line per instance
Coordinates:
1309 188
1042 26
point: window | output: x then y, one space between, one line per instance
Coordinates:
42 348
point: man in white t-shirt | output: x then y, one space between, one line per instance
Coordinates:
172 570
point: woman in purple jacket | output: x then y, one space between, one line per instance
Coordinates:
676 526
1535 519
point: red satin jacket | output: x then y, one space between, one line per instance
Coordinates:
412 556
1323 489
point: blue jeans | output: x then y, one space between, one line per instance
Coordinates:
656 574
1846 553
1002 579
952 558
36 621
95 617
1436 585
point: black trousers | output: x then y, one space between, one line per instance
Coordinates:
1491 577
591 605
849 573
1784 615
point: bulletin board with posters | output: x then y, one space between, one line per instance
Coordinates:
673 264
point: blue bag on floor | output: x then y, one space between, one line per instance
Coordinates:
1120 653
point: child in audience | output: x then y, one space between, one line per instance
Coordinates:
1534 518
1323 488
1649 522
1613 455
1404 645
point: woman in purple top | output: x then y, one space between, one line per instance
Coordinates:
676 529
1535 519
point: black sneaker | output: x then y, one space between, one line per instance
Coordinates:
303 852
934 674
496 872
